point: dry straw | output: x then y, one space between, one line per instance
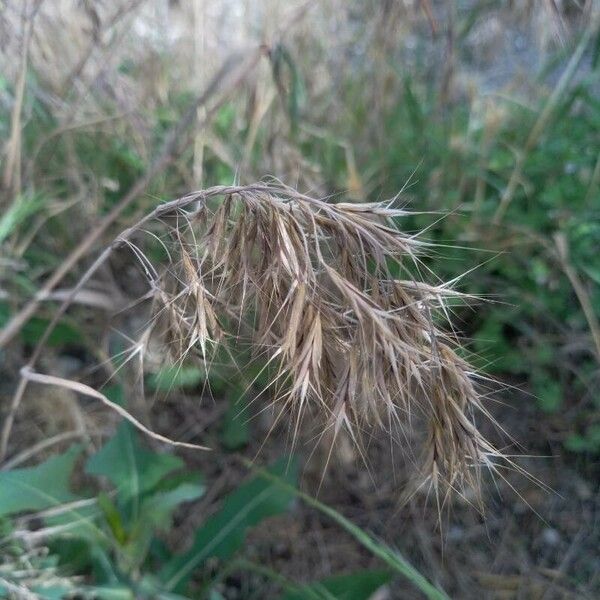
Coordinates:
328 295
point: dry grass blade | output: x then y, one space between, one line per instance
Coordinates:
86 390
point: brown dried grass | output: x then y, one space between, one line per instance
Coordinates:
328 296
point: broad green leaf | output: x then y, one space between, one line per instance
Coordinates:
224 532
151 587
189 376
36 488
360 585
103 568
131 468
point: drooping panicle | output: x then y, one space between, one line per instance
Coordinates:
327 294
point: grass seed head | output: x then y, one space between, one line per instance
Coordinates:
330 295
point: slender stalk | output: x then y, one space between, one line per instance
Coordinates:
12 171
583 297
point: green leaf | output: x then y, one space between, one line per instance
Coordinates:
40 487
224 532
155 512
577 443
549 392
158 508
21 208
588 442
71 552
176 377
234 432
80 523
112 518
115 393
360 585
150 587
413 106
596 52
490 341
132 469
290 87
63 333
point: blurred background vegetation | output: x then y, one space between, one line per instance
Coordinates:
486 113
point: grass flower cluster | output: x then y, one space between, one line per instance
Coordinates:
328 295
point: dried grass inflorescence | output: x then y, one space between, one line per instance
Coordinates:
328 295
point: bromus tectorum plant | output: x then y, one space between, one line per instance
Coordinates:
328 296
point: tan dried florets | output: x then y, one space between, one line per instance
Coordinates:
328 293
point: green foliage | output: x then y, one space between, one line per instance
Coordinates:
21 208
120 524
289 82
64 334
131 468
115 534
588 441
359 585
37 488
176 377
233 388
388 555
224 532
235 430
23 571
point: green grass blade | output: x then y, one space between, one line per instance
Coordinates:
21 208
391 557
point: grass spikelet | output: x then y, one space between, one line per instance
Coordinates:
329 294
